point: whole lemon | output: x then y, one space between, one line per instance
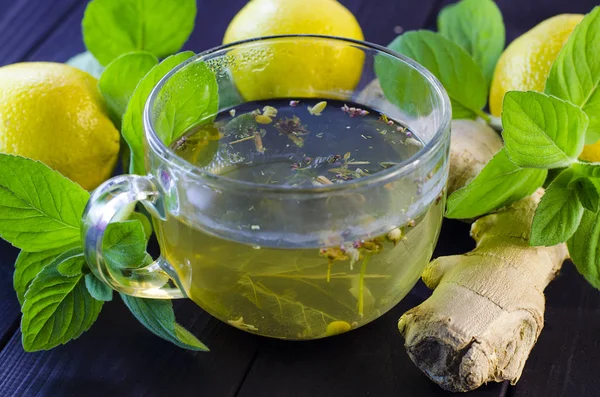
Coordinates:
526 63
54 113
301 69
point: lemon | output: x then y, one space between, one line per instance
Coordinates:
302 69
525 64
591 152
54 113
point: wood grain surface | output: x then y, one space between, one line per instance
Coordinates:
118 357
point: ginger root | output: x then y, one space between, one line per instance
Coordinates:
487 308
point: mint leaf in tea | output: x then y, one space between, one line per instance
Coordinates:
301 284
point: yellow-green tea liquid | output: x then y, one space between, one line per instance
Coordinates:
309 291
284 293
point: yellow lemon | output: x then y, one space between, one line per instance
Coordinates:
525 64
54 113
591 152
301 69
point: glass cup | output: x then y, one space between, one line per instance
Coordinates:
288 262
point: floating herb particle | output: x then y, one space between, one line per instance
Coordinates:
242 139
270 111
293 129
255 227
353 112
239 323
318 108
337 327
258 141
324 180
263 119
361 286
294 103
395 236
359 162
232 112
413 142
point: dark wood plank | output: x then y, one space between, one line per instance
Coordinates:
9 306
26 23
65 40
566 354
118 357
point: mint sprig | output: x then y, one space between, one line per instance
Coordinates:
133 128
476 26
575 75
558 214
499 183
447 61
542 131
41 210
114 27
57 306
117 83
157 316
60 298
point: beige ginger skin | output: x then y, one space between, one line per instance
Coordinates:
487 307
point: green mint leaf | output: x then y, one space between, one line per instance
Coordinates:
558 214
189 98
28 265
158 317
590 170
584 247
575 75
542 131
72 262
57 309
120 78
588 192
97 289
39 208
453 66
133 128
143 219
124 244
476 26
499 183
86 62
115 27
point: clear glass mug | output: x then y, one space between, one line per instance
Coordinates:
282 261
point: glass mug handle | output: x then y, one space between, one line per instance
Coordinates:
113 201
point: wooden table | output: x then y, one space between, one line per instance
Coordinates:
118 357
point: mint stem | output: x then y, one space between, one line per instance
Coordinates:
483 115
495 123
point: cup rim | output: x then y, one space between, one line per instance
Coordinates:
382 177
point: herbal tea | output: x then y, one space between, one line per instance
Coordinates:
297 290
